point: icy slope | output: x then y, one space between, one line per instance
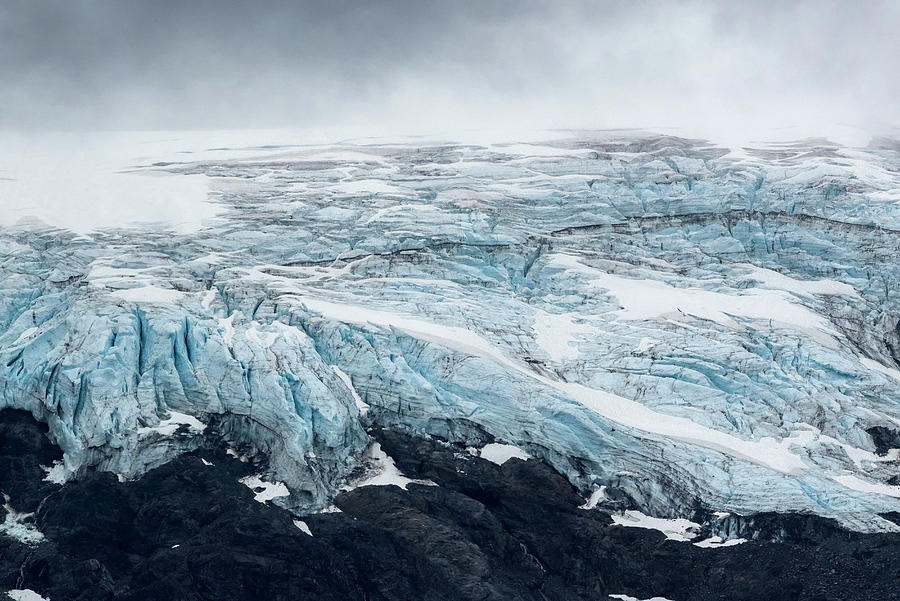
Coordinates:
674 321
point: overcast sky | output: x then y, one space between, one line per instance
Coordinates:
417 65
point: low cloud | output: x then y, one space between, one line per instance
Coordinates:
416 65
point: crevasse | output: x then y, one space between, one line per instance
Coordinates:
674 321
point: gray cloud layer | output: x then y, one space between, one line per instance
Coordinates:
423 65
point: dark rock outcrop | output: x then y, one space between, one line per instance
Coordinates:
190 531
884 439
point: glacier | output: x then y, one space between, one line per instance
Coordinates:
684 324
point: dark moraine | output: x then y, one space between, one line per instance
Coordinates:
189 532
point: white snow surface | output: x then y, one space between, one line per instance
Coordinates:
149 294
779 281
301 525
383 471
875 365
265 491
171 424
25 595
500 453
360 404
56 473
678 529
26 334
766 451
94 184
15 526
715 542
595 497
857 483
651 299
555 334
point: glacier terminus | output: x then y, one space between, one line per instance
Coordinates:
680 323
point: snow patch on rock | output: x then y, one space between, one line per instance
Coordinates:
16 526
265 491
500 453
678 529
716 542
303 527
25 595
594 498
383 471
56 473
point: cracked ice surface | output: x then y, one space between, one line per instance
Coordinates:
650 314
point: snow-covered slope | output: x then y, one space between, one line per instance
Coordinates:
674 321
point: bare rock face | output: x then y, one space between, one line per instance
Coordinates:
465 529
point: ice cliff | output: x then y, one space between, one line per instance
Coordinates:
686 325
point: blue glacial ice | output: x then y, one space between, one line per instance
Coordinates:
679 322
